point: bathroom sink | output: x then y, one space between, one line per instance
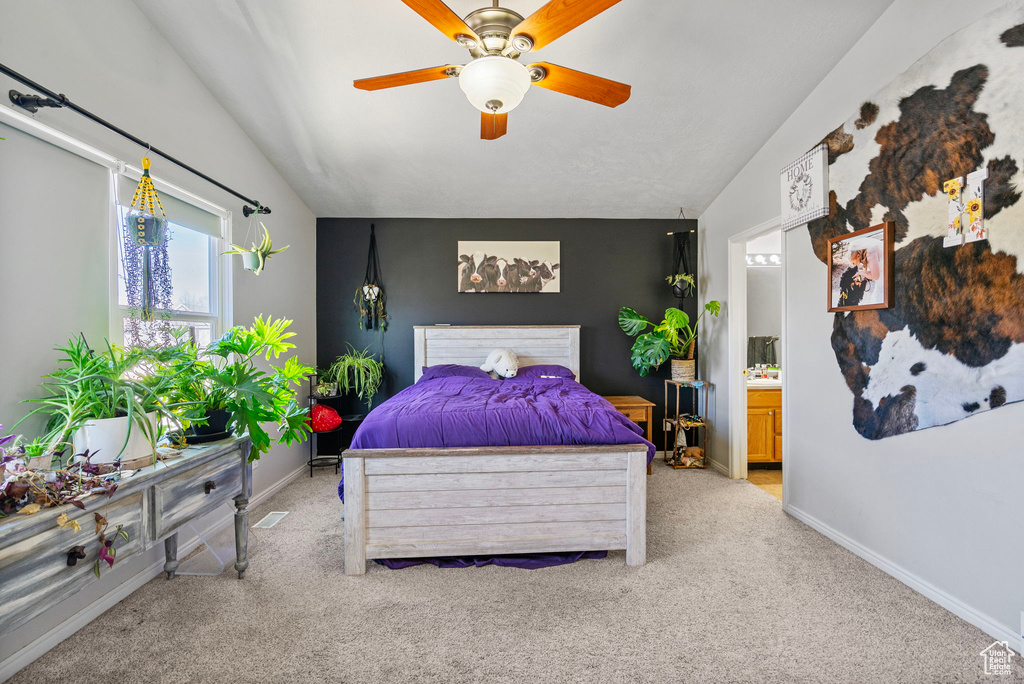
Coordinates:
759 383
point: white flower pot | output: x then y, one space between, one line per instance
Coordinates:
105 437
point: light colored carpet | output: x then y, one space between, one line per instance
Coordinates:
734 591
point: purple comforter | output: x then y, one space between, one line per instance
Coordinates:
467 412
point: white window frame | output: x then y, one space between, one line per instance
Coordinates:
220 316
223 305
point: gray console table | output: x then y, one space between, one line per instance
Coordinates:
36 571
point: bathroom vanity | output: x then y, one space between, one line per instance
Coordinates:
764 421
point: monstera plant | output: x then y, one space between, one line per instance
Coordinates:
674 337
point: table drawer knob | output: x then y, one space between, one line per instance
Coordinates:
75 554
209 486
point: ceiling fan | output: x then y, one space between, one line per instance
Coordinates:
495 81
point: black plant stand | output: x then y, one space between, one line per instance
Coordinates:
318 461
341 436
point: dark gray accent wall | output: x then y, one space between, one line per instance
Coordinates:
605 264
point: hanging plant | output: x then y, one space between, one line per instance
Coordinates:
146 265
370 299
682 282
255 257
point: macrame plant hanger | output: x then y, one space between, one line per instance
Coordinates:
682 260
148 231
370 299
145 262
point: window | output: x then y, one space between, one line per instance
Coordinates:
186 288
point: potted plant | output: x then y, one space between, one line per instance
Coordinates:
682 284
39 454
108 403
673 338
225 377
358 372
255 257
203 402
327 384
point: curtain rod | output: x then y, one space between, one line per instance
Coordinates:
32 103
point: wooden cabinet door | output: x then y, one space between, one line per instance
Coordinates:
760 435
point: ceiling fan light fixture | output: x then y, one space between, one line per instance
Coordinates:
522 43
494 79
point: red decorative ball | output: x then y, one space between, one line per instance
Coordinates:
323 418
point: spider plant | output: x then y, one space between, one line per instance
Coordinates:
116 383
255 258
358 372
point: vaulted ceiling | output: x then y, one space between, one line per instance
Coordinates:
711 82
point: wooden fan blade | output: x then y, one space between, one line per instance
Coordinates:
557 18
442 18
493 126
584 86
404 78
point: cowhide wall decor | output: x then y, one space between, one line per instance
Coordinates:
952 344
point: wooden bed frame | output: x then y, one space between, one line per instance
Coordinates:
408 503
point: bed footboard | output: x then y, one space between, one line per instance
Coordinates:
408 503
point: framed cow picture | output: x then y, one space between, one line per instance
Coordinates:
860 269
509 266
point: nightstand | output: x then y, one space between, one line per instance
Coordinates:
638 410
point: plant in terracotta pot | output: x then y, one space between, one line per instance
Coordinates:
674 337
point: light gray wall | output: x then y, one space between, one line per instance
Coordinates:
941 505
107 57
764 301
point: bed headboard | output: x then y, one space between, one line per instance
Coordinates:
469 345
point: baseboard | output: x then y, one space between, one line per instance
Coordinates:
985 623
25 656
720 467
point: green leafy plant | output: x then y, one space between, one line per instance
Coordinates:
673 337
326 383
118 382
358 372
225 376
260 252
682 278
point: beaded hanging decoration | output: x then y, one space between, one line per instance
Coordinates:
147 268
148 229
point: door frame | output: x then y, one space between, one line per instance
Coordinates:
738 352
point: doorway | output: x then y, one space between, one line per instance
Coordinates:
757 272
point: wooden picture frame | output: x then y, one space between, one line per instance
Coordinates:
861 272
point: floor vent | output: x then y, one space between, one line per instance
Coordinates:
270 520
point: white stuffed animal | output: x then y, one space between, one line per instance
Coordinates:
502 362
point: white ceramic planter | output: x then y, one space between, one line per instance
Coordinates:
105 437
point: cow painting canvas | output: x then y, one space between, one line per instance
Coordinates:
509 266
951 345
